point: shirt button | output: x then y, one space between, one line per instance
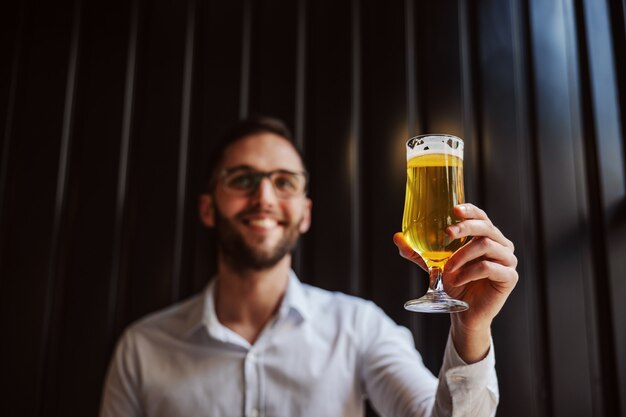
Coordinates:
458 378
254 413
252 357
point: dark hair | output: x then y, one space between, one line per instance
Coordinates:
246 127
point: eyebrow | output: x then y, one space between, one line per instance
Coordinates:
238 167
249 168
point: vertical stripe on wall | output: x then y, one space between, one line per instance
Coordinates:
355 153
183 156
529 243
246 58
117 264
300 102
415 126
471 133
301 73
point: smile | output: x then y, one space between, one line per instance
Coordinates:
263 223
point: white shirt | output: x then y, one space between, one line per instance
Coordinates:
322 355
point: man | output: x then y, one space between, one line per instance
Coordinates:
258 342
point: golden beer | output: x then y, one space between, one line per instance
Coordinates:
434 186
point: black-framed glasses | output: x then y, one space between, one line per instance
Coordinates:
243 181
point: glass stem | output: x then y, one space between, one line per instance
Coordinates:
435 282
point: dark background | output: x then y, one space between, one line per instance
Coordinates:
109 111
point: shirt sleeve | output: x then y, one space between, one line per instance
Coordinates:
466 390
120 395
397 382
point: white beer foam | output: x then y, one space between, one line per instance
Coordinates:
434 144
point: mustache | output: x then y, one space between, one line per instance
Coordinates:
256 211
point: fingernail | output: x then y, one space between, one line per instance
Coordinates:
463 207
454 229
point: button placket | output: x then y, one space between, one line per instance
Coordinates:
253 384
253 368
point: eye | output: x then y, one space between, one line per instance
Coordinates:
241 181
286 182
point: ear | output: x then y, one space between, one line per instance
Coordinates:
305 223
206 210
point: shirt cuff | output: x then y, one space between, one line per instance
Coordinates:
472 387
456 370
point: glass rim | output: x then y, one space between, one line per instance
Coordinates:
434 136
434 144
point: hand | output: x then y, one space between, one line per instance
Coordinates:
481 273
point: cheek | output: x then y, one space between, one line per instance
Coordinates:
228 207
294 210
299 215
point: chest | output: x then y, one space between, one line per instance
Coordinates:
299 373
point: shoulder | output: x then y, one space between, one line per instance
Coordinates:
354 317
324 299
349 309
175 320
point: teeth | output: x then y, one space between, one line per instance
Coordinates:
264 223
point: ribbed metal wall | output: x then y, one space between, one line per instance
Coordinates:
109 112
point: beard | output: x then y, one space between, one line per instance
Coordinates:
241 256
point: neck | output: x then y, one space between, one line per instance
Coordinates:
247 300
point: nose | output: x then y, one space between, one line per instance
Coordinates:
265 192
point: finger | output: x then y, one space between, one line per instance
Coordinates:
478 228
407 252
470 211
481 247
506 277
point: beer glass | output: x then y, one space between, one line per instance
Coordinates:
434 185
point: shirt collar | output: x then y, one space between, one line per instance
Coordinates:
295 303
195 319
295 300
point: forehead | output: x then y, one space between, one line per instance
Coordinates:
264 152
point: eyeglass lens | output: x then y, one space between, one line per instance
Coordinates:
286 184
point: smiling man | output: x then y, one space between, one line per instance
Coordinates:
258 342
258 222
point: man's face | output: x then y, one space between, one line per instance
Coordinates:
257 230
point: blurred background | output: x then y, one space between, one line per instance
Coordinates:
109 112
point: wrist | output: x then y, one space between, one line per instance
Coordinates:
472 344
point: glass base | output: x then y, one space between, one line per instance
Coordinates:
436 302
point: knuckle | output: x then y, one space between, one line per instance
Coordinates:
515 277
484 243
511 245
486 267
